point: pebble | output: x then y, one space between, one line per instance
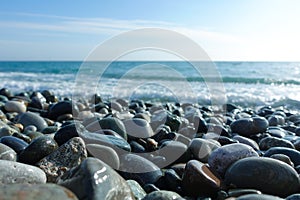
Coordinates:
15 106
139 169
67 132
249 126
15 143
163 195
37 149
258 197
268 175
7 153
104 153
201 148
136 189
138 128
199 180
69 155
221 158
96 180
293 154
61 108
283 158
269 142
293 197
247 141
15 172
30 118
111 123
35 192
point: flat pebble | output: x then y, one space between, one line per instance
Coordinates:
249 126
14 172
30 118
138 128
96 180
35 192
7 153
69 155
15 106
293 154
61 108
221 158
268 142
268 175
15 143
248 141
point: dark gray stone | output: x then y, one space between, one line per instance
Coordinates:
94 180
249 126
268 175
30 118
292 153
269 142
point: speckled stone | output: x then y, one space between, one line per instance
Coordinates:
199 180
137 191
202 148
249 126
30 118
35 192
162 195
7 153
221 158
96 181
268 175
105 154
15 106
14 172
69 155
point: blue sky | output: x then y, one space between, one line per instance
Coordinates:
245 30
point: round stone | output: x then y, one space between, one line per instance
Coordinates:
7 153
38 149
249 126
105 154
15 106
268 142
14 172
221 158
61 108
268 175
202 148
16 144
30 118
199 180
139 169
293 154
138 128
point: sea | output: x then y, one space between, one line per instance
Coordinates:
249 84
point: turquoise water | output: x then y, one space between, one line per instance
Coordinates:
245 83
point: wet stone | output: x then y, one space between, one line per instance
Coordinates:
96 180
162 194
7 153
35 192
283 158
137 191
69 155
221 158
199 180
201 148
268 175
248 141
61 108
249 126
14 172
30 118
293 154
105 154
139 169
269 142
16 144
37 149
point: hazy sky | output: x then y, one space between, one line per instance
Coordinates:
245 30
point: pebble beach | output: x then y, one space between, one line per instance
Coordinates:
52 147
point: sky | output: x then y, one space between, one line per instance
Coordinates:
228 30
